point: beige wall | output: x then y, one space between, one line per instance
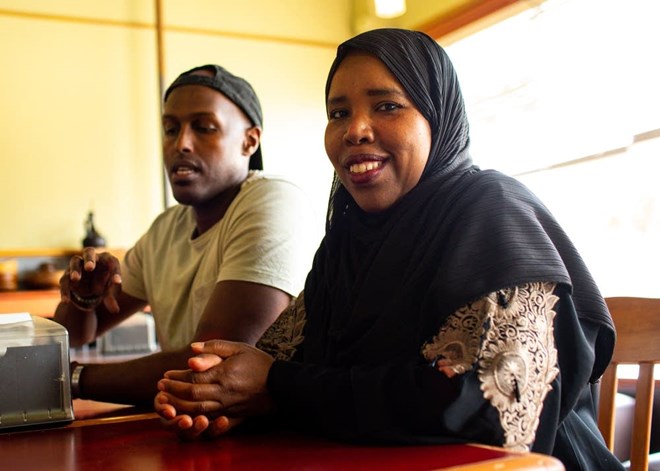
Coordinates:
80 103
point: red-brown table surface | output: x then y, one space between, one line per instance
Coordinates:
103 439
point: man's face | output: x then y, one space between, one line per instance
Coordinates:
207 143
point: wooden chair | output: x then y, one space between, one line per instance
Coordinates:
637 322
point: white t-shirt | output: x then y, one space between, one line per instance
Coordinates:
264 237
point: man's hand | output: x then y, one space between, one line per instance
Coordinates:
90 279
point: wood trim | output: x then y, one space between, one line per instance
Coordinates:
628 385
74 19
38 252
54 252
110 420
168 28
606 405
38 302
473 12
522 460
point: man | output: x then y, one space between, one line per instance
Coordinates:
222 264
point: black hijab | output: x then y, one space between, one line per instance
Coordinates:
382 284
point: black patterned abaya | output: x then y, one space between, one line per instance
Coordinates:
384 284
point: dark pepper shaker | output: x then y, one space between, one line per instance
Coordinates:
92 237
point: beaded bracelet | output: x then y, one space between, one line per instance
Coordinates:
85 303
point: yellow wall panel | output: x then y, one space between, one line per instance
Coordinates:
80 118
80 114
318 21
138 11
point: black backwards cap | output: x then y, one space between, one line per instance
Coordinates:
237 89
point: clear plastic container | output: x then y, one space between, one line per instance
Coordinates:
34 372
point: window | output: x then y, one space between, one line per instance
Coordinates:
566 97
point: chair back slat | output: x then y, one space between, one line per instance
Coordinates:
637 322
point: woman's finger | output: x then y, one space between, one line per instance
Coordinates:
222 348
198 426
221 426
178 375
204 361
188 391
194 407
163 408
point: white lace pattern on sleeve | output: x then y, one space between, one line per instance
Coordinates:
508 336
456 348
518 361
282 338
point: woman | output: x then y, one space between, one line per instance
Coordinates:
444 304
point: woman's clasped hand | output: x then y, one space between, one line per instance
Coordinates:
226 381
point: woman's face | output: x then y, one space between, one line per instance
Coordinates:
376 138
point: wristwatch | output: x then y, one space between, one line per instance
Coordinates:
75 380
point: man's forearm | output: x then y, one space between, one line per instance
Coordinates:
81 325
130 382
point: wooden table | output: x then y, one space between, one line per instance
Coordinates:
108 437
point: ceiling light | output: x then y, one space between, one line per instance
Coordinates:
390 8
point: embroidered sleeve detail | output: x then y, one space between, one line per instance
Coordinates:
518 361
456 347
285 334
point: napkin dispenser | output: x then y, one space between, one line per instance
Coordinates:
34 372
